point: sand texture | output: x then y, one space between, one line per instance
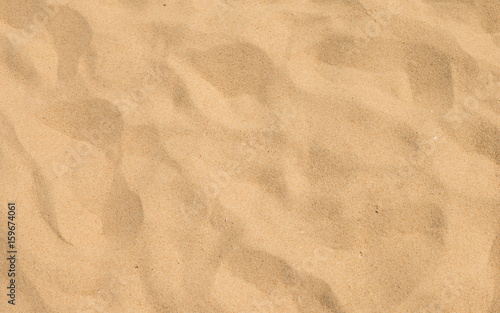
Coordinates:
250 156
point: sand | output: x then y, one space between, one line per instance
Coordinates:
250 156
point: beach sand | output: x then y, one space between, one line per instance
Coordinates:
250 156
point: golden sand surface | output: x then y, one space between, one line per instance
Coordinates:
220 156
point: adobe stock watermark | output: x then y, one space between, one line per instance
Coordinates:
270 303
82 152
317 260
373 28
251 148
151 80
101 300
418 159
221 179
470 104
450 291
224 9
36 25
